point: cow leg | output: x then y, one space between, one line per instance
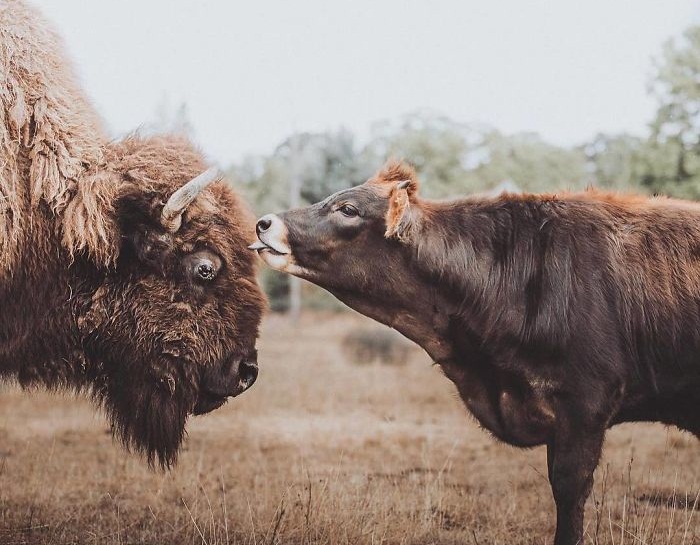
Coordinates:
572 457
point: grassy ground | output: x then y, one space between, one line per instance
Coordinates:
325 451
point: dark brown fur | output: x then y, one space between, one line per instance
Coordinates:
137 335
556 316
96 295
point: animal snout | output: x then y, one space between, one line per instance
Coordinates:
219 382
247 373
272 236
232 377
264 223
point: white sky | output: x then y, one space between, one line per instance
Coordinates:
252 72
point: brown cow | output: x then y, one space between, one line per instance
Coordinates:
555 316
124 270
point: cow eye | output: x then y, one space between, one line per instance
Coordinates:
349 211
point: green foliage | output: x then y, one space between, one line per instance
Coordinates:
435 145
616 161
531 163
454 158
324 163
673 156
276 286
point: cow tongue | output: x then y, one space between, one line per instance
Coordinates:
260 245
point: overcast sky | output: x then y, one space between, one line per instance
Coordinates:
252 72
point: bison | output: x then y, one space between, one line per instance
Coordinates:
556 316
124 268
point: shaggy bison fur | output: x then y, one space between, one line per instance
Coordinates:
154 313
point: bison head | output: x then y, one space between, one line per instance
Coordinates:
168 329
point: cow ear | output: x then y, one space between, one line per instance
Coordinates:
409 185
401 217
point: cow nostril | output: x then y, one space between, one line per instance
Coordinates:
263 225
247 373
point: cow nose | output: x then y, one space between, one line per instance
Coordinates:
263 224
247 373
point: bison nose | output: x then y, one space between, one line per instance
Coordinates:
264 224
247 373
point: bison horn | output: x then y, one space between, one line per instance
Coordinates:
171 217
403 184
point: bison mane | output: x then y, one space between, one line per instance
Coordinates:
51 142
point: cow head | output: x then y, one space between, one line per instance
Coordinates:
357 244
169 328
341 240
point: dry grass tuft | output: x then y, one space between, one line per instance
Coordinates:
365 345
324 451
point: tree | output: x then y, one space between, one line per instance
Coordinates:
324 162
616 161
438 147
304 168
673 155
529 161
455 158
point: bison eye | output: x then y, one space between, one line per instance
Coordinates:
349 211
202 266
206 271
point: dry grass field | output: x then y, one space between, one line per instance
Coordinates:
322 450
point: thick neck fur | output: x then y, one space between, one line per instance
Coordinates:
63 256
508 266
421 315
37 323
528 272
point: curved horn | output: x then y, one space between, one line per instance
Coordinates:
181 199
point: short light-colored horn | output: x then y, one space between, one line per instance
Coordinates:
171 217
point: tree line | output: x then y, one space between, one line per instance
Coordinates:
454 158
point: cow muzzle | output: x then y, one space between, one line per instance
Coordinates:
272 244
218 383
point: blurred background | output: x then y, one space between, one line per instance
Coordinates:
350 436
296 100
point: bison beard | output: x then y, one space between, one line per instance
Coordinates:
147 420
